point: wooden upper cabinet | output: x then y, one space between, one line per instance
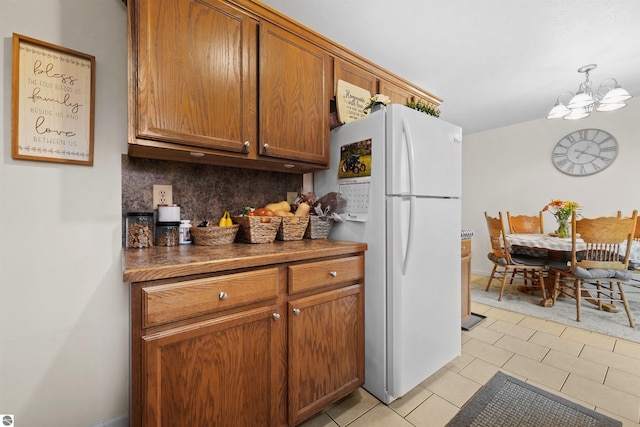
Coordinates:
295 90
195 74
397 94
355 75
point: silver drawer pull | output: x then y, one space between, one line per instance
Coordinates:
276 316
266 147
333 274
296 311
247 144
223 296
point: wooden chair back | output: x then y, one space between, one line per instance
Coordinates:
636 234
497 238
603 237
525 224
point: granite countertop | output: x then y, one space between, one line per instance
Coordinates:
182 260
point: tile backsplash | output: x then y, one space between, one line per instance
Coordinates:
202 191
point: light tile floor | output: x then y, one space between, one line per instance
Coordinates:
593 370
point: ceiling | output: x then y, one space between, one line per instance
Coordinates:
493 62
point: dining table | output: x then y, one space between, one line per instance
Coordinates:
559 249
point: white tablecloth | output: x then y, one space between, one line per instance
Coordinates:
544 241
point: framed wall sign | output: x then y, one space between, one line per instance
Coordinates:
350 102
52 104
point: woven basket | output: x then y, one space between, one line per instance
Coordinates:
214 235
319 227
292 228
253 230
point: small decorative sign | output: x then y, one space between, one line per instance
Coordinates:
52 103
351 101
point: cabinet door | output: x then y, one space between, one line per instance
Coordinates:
355 75
220 372
294 97
194 74
397 94
326 349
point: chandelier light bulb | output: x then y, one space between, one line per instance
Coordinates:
609 97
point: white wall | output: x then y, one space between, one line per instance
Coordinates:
510 169
64 339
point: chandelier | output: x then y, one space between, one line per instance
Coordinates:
609 97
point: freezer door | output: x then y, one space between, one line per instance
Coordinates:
423 289
423 154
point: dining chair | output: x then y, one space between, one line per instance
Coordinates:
505 264
601 263
525 224
636 235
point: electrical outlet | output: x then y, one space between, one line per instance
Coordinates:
162 195
291 197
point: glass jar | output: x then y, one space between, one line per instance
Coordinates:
139 230
167 233
185 231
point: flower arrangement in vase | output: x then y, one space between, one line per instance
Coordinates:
377 101
562 210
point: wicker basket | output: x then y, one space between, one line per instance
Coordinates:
319 227
292 227
253 230
214 235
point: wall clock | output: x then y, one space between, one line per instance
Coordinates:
584 152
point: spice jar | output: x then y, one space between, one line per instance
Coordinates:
167 233
139 230
185 231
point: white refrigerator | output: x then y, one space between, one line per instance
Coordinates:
400 172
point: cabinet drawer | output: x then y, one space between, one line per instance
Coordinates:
313 275
182 300
465 247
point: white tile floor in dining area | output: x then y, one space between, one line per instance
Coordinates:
593 370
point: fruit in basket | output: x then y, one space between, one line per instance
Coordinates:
283 213
280 206
303 209
225 220
263 212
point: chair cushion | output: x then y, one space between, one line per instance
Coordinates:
495 258
519 259
529 260
597 273
593 273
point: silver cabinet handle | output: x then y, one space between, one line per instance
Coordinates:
276 316
296 311
223 296
266 147
247 144
333 274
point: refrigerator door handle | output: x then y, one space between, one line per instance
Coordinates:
409 145
409 235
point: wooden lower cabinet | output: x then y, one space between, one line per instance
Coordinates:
262 346
326 349
218 369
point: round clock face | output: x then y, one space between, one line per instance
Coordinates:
585 152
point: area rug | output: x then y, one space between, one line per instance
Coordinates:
506 401
564 312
